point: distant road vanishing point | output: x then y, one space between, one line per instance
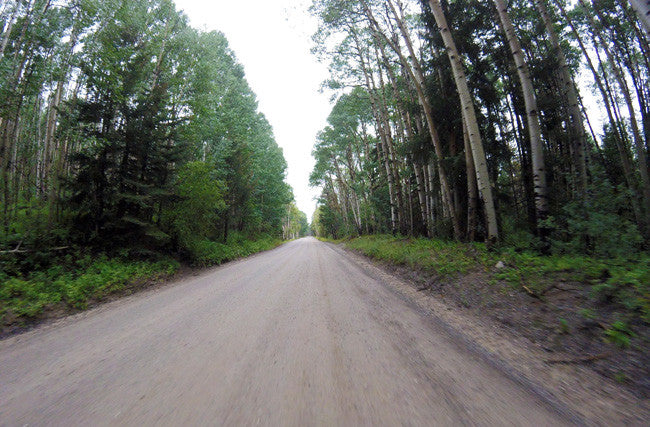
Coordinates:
300 335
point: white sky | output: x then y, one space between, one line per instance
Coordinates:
271 39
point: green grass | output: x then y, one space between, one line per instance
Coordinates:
619 334
206 253
329 240
75 282
435 256
624 282
23 298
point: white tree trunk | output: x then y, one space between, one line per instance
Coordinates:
469 114
534 131
417 77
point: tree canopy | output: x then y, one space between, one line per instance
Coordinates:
465 120
120 124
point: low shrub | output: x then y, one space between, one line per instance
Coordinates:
624 282
27 297
205 252
441 257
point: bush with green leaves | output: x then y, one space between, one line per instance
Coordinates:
594 225
206 252
75 285
195 213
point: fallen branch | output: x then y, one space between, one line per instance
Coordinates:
531 293
22 251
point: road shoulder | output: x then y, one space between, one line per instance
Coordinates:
573 389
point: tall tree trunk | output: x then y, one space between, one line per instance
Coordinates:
7 29
407 131
394 166
378 123
570 93
418 82
469 114
472 190
534 131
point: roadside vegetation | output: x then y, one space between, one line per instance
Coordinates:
580 309
43 285
621 284
73 285
130 143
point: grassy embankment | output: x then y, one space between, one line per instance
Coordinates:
31 290
622 282
580 305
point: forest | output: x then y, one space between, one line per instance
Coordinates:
495 155
129 141
467 120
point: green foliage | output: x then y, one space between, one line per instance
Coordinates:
516 236
194 215
594 224
127 132
295 223
628 284
379 172
619 334
74 285
345 139
622 282
136 131
436 256
206 252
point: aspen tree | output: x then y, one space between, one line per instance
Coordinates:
469 114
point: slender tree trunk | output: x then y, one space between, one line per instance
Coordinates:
378 123
570 93
406 129
472 190
7 29
394 166
534 131
469 114
418 82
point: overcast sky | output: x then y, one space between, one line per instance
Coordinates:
271 39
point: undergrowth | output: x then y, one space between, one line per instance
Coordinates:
29 288
620 282
74 285
206 253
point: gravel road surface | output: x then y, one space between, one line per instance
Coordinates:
300 335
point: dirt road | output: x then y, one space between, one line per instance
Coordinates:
299 335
